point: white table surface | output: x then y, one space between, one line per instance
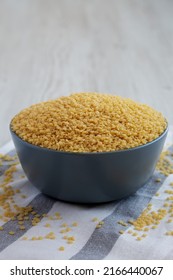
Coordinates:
52 48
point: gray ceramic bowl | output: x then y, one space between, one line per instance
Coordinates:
88 177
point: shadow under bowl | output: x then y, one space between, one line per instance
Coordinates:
88 177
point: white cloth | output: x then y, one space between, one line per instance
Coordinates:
90 242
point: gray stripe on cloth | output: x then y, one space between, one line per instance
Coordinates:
103 239
3 168
41 204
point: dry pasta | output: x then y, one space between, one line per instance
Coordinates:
89 122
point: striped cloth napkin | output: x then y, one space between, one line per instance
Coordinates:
58 230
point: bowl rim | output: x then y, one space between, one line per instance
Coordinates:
92 153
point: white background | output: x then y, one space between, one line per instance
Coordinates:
53 48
